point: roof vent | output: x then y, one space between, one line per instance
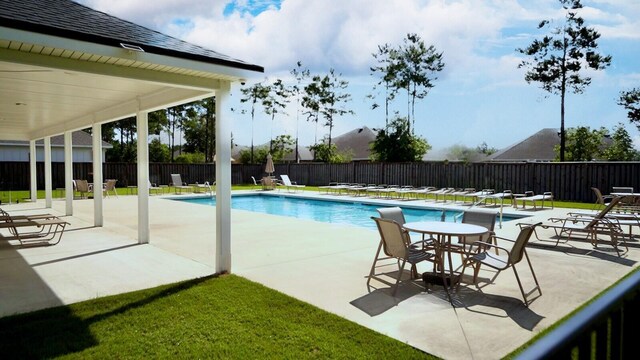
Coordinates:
131 47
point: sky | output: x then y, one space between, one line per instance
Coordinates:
480 96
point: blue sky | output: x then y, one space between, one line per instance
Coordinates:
481 96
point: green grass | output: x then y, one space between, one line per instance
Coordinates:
216 317
23 195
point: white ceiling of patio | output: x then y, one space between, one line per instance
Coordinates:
49 85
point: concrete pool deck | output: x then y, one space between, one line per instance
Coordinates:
323 264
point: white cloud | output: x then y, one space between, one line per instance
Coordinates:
478 39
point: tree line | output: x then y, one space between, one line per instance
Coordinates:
560 62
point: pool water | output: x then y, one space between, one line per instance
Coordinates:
325 211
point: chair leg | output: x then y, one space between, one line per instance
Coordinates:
373 266
395 289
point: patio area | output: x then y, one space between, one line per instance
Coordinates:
323 264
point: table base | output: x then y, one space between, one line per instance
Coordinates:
431 278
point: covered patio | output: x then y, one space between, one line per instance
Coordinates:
65 67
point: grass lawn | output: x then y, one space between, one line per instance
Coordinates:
24 194
214 317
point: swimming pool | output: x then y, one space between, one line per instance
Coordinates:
335 212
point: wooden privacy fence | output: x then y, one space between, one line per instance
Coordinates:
568 181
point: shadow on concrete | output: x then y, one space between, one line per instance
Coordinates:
608 254
380 300
84 255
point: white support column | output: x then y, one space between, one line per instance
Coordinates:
33 171
96 133
48 193
142 119
68 173
223 179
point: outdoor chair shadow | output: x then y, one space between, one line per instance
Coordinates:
379 300
603 253
473 299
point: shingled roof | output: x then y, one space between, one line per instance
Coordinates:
357 142
537 147
71 20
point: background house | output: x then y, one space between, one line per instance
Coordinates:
14 150
356 142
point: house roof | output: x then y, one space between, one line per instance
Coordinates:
357 142
537 147
66 67
78 139
71 20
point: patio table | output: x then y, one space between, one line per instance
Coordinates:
443 232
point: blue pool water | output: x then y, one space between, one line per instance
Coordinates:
322 210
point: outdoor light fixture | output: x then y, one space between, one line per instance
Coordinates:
131 47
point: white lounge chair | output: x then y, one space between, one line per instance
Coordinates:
176 179
547 196
289 184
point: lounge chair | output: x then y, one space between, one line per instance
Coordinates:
154 187
476 195
444 192
547 196
510 259
289 184
206 187
396 244
593 227
176 180
506 194
462 193
34 231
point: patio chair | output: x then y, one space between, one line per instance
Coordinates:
109 187
395 213
506 194
601 200
82 186
396 244
508 258
475 196
176 180
290 185
462 193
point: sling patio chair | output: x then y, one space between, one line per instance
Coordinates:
176 180
81 186
396 244
110 187
506 194
475 196
506 258
462 193
601 200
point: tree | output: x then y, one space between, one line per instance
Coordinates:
281 146
254 95
325 152
300 74
621 148
398 144
387 68
414 71
557 60
325 96
259 156
583 144
464 153
275 102
159 152
630 100
485 149
199 129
